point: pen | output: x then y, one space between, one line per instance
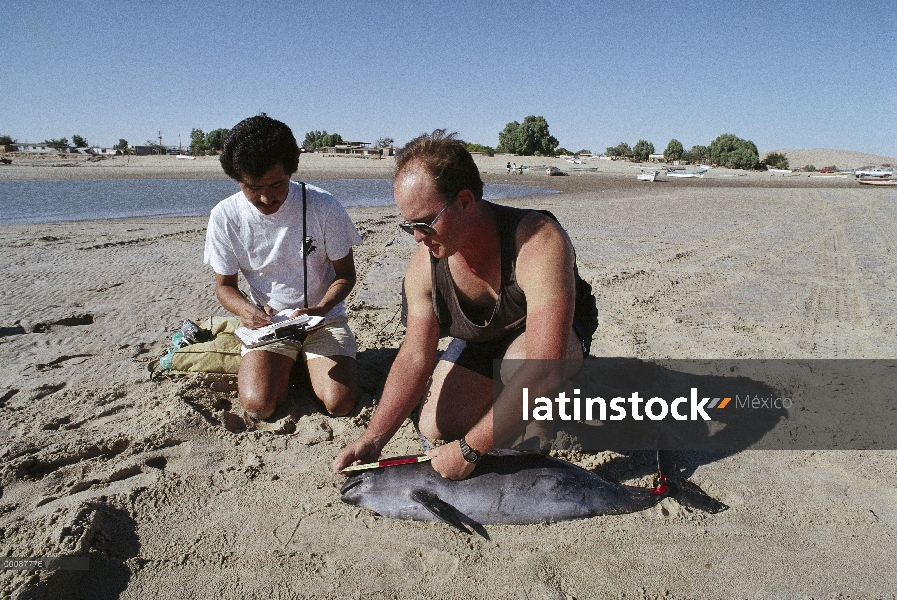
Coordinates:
251 301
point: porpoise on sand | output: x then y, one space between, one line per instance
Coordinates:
512 488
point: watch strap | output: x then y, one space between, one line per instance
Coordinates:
469 454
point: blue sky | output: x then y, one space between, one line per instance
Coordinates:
782 74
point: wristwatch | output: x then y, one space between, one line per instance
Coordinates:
469 454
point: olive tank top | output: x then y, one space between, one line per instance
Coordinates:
509 312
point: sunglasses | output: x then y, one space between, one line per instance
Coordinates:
424 228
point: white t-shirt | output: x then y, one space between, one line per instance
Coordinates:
267 249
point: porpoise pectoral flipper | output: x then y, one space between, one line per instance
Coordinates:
443 511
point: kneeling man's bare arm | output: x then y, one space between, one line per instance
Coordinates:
410 371
343 282
228 293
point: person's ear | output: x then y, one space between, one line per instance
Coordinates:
466 199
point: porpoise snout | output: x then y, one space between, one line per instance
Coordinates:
351 492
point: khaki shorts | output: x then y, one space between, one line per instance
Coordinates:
333 339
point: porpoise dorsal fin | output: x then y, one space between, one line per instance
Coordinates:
439 508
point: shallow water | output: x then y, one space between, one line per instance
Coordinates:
47 201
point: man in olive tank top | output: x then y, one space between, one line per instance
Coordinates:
502 283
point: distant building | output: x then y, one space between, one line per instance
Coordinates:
39 148
353 150
656 158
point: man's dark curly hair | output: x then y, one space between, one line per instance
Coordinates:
446 159
255 145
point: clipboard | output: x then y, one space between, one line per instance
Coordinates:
285 329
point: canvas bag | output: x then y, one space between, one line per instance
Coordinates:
221 354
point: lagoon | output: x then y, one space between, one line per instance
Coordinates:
49 201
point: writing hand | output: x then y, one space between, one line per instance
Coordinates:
311 311
253 318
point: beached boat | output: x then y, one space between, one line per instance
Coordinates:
686 174
779 171
877 181
554 171
185 157
647 176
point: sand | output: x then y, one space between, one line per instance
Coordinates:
161 485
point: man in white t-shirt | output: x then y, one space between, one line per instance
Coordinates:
259 232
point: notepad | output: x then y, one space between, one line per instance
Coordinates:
283 328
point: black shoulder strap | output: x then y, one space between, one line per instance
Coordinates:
304 248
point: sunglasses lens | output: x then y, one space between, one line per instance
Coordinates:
411 228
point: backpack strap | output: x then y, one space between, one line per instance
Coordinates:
304 247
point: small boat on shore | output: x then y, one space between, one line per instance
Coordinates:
686 174
647 176
877 181
185 157
779 171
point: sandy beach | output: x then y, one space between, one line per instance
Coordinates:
162 485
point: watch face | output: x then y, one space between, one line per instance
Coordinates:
469 454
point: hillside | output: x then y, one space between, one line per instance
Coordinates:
823 157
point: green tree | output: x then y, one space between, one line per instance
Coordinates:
562 152
642 150
674 151
733 152
699 154
487 150
777 160
622 150
215 139
510 139
198 145
121 145
60 144
385 142
5 140
312 139
528 138
321 139
79 141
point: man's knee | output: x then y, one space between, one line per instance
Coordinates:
339 402
258 404
262 381
334 381
427 426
